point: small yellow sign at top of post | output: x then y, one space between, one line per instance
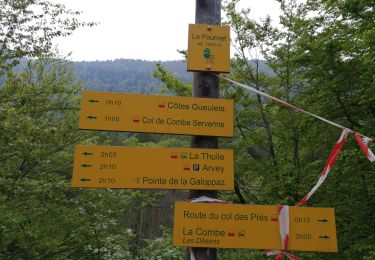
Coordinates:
208 48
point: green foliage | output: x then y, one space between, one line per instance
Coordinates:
320 58
320 61
42 216
161 248
48 219
243 254
173 85
38 121
29 26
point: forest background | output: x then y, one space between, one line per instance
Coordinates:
320 58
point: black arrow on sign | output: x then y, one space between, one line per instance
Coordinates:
86 165
91 117
87 154
85 180
324 237
323 220
93 101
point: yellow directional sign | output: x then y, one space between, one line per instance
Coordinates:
250 226
156 114
208 48
152 168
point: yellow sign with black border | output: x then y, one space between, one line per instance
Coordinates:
208 48
156 114
252 226
152 168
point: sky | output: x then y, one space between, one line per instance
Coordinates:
141 29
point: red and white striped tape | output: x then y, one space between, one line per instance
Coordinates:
279 255
204 199
284 210
328 166
295 108
284 235
282 102
192 256
363 143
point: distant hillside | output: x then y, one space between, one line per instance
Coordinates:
132 76
123 75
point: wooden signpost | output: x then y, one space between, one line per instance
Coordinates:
152 168
207 85
203 168
252 226
156 114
